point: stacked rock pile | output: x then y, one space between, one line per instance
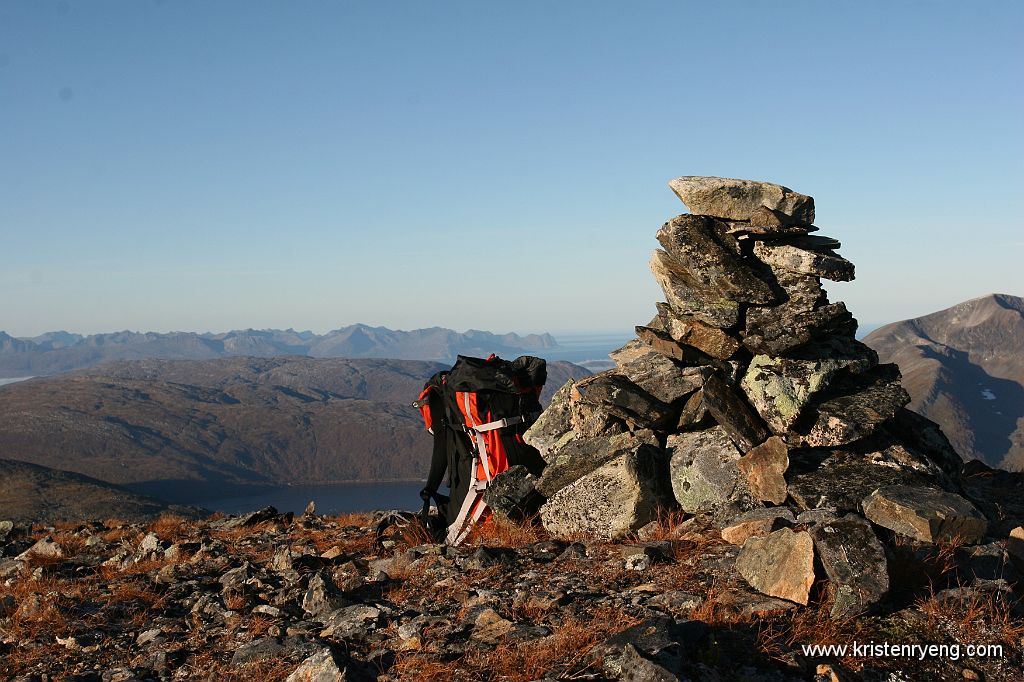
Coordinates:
748 401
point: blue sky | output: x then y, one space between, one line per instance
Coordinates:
216 165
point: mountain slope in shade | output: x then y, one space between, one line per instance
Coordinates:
964 368
187 430
32 493
56 352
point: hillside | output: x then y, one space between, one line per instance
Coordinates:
34 494
189 430
964 368
56 352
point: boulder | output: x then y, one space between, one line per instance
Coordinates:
577 458
697 245
780 388
690 331
617 498
741 199
703 469
764 467
656 373
770 224
688 295
854 561
826 264
780 564
731 411
512 494
620 397
925 514
855 406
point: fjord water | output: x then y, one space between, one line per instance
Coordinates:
337 498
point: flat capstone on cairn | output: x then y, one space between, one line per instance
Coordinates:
748 403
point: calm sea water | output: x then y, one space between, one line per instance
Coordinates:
330 499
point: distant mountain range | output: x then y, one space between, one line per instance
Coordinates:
191 430
56 352
964 368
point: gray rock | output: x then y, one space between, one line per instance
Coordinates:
688 330
258 650
5 529
554 426
764 467
694 414
578 458
925 514
322 597
619 497
824 264
710 262
656 373
844 479
780 564
686 295
855 407
236 577
614 393
703 469
741 199
854 561
320 667
731 411
351 622
512 494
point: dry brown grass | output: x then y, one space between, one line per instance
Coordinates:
974 617
564 654
172 528
500 532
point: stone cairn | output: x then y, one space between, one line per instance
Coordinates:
748 402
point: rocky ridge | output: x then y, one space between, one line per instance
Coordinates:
270 596
748 402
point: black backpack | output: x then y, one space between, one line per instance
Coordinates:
477 413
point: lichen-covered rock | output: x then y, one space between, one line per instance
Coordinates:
617 498
620 397
553 428
512 494
697 245
764 467
741 199
656 373
826 264
854 561
703 469
844 478
780 388
579 457
780 564
854 407
925 514
687 295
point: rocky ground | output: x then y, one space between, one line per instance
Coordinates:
269 596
